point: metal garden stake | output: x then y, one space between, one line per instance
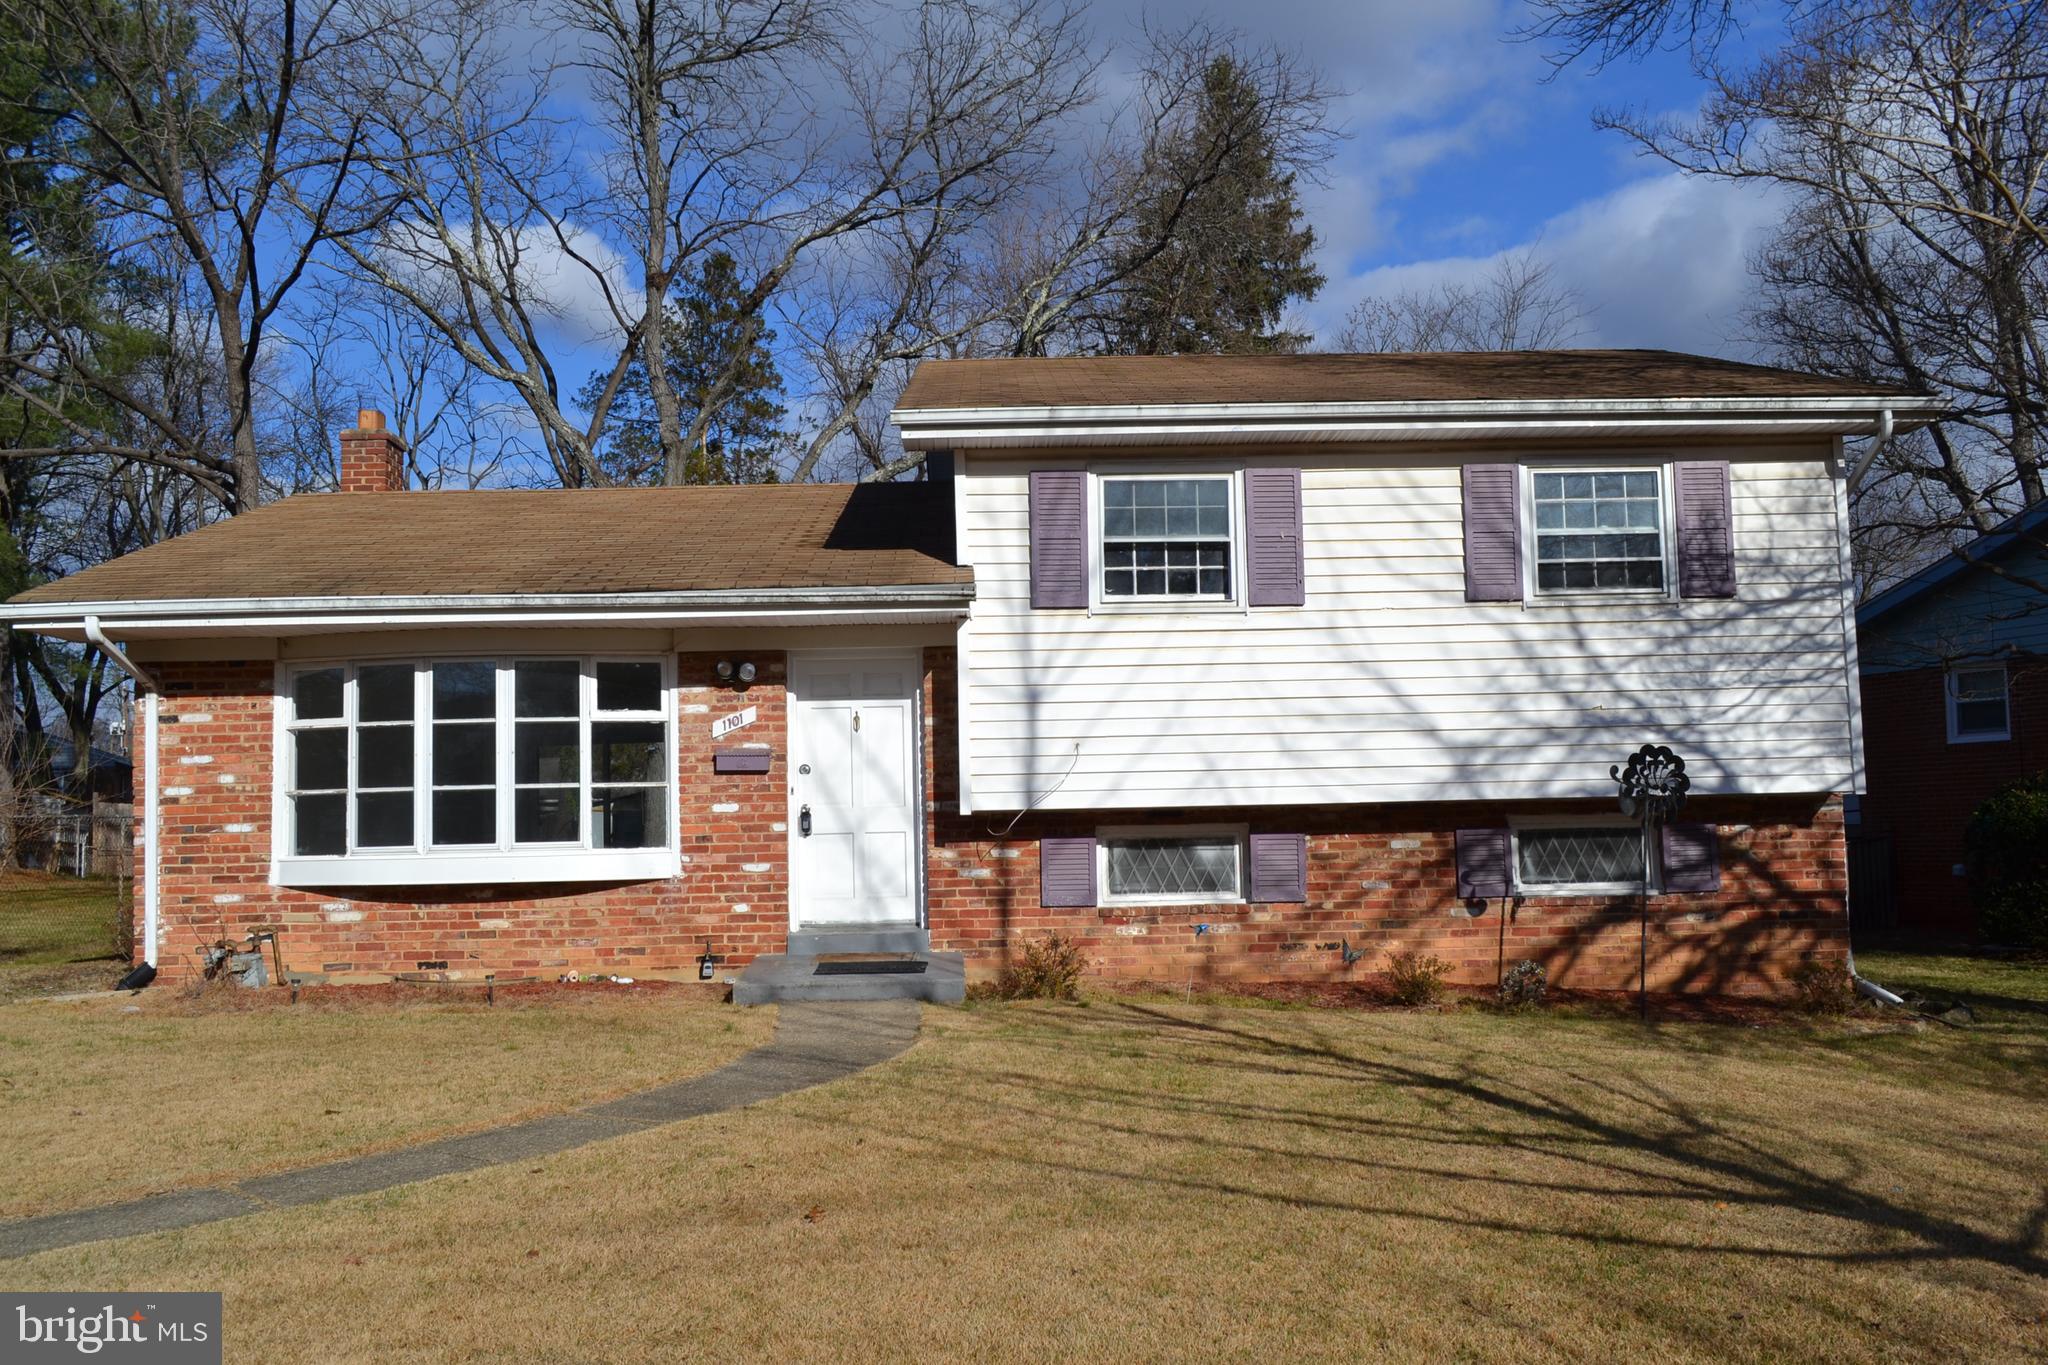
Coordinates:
1653 787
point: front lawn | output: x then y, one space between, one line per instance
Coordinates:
1142 1180
108 1099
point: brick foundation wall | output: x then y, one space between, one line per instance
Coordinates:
1384 878
216 728
1923 789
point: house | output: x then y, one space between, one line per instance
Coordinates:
1956 704
1227 668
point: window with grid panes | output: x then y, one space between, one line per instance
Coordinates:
1166 538
477 755
1598 530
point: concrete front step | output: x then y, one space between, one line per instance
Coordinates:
878 939
784 978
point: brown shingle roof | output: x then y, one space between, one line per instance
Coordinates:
614 540
1439 376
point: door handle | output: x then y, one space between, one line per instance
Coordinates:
803 822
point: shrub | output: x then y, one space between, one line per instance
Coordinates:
2007 842
1049 969
1525 984
1825 987
1417 978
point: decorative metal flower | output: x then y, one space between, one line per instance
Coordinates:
1654 783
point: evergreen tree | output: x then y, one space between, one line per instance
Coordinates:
744 429
1235 251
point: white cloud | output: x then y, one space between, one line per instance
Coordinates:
1660 262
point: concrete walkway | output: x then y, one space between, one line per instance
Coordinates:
814 1043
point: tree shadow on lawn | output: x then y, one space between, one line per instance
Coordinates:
1682 1153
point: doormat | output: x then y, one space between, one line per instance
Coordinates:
890 966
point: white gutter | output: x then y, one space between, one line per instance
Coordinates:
287 615
1879 439
145 687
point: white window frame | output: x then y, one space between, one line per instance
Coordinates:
1949 678
1101 604
1667 531
1240 835
425 864
1653 871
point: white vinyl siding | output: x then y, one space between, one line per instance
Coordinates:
1389 686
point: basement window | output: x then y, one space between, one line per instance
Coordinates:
1171 866
464 770
1579 860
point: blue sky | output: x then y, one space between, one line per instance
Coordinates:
1460 150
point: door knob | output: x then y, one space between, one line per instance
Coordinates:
803 822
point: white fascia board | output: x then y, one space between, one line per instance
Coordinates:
944 428
285 616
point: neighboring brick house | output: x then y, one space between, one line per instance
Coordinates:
1954 664
1229 668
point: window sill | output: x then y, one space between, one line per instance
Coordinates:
1979 739
1169 902
1584 889
1597 598
490 868
1164 606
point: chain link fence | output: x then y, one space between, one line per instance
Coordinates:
67 894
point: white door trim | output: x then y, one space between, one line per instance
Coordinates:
799 662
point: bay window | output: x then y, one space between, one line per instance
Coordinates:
476 769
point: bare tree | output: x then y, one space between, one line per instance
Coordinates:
1519 304
230 130
1910 138
1037 264
772 131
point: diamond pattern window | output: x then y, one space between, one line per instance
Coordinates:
1195 868
1166 538
1599 532
1553 859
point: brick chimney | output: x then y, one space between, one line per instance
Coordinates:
372 459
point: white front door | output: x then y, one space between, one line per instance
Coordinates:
856 821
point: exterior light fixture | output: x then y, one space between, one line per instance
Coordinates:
747 673
724 670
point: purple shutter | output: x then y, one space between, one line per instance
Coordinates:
1692 858
1273 569
1482 863
1279 868
1706 530
1066 872
1059 539
1493 533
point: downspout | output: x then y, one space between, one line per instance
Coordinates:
1879 439
145 687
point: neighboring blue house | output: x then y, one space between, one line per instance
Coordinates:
1954 707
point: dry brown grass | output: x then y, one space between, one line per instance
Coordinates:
109 1099
1130 1180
